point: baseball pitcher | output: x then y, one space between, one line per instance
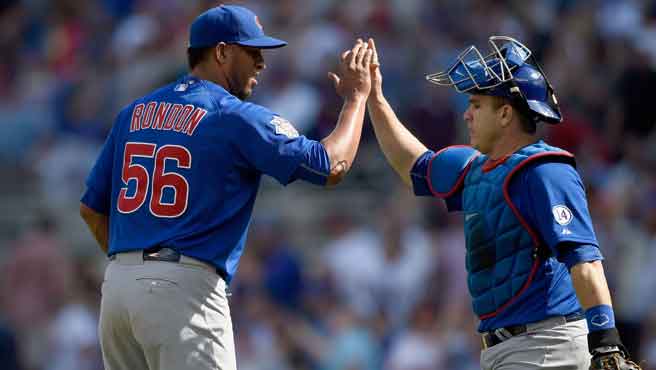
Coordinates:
171 195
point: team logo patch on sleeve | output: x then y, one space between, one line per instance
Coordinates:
562 214
284 127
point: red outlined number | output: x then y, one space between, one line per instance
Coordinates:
171 180
136 172
161 179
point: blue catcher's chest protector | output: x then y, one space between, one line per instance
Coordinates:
503 253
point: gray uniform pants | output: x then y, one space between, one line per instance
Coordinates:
548 344
164 316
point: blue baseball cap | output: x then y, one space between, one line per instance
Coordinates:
231 24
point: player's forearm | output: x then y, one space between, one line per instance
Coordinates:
592 291
342 144
399 146
590 284
98 225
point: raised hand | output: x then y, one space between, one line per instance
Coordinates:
353 80
374 67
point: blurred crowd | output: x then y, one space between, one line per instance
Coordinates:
362 277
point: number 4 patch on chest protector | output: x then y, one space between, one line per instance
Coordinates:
284 127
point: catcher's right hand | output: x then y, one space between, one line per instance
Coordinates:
354 77
612 361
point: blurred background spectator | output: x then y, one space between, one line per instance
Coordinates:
365 276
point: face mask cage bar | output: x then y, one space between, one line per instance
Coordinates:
472 70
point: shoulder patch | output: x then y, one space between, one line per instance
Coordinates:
284 127
562 214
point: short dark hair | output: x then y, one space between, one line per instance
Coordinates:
529 125
196 55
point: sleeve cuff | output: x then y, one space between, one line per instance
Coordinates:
575 254
93 200
419 174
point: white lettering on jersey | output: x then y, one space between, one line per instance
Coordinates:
165 116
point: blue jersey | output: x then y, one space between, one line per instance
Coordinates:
181 168
551 197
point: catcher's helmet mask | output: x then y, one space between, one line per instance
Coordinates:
509 71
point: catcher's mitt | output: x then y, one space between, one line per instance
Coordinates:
612 361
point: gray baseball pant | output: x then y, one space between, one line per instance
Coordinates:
548 344
164 316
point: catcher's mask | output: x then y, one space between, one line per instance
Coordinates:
509 71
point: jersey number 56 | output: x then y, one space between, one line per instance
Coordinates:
160 179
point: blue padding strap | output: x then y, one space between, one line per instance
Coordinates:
448 168
600 317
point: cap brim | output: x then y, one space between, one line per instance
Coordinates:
264 42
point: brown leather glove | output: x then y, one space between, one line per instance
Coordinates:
611 358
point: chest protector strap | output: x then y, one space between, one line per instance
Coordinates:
553 156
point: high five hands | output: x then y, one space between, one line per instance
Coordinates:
353 79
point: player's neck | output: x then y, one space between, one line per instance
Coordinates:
509 144
202 72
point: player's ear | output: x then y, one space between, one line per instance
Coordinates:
221 52
505 114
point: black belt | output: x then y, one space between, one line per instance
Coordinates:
165 254
161 254
496 336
